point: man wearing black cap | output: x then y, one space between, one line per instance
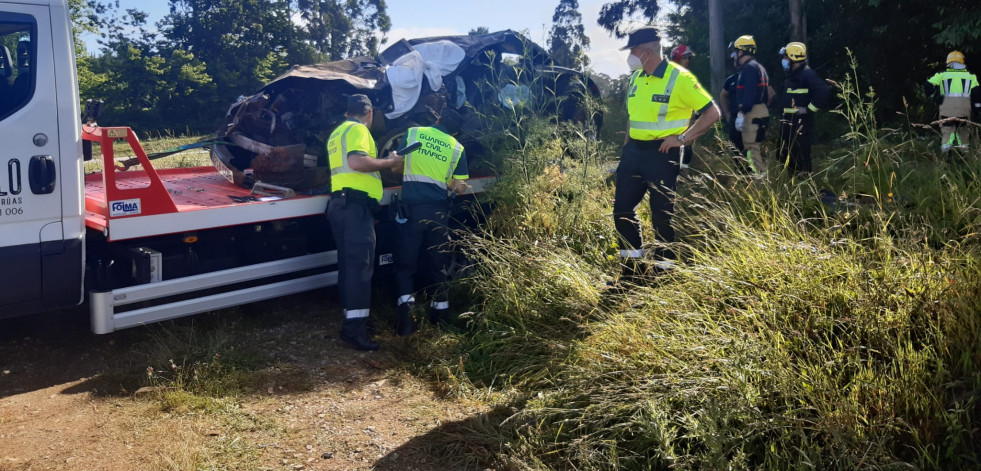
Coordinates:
660 100
431 173
356 190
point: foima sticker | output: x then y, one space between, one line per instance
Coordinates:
386 259
124 208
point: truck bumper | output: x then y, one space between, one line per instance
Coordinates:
231 287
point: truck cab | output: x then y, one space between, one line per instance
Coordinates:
42 225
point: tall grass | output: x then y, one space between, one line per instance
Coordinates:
797 334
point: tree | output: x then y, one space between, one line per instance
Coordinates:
614 15
798 21
897 45
716 46
83 22
141 87
765 20
337 29
568 41
959 26
478 31
241 45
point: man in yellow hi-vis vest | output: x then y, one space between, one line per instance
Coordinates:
957 87
431 174
660 100
356 190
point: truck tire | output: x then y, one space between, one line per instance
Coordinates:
393 139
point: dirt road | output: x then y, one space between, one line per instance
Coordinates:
71 400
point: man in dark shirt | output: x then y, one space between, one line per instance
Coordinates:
727 101
752 95
804 94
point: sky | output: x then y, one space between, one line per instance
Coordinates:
417 18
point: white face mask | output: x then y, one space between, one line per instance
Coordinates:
785 63
634 62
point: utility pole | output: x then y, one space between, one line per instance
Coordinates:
717 47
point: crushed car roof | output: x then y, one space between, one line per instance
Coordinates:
362 73
366 73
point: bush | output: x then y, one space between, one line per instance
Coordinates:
800 332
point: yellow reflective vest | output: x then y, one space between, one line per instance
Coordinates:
954 83
661 104
436 160
352 136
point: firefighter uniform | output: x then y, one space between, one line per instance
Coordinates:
804 94
353 201
729 86
423 231
956 86
752 95
728 96
659 105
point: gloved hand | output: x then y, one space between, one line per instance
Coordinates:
801 110
740 119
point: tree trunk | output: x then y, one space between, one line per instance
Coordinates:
803 21
717 47
798 21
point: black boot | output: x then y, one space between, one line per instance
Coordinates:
406 323
631 271
440 317
355 332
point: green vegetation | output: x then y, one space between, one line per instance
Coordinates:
203 370
898 44
186 69
806 329
798 333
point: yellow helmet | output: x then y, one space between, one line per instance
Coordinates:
745 43
955 56
795 51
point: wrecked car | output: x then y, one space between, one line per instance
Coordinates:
277 135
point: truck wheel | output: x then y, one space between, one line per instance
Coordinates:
394 139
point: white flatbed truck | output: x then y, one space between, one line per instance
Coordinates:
143 245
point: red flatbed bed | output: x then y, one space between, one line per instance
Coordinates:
144 203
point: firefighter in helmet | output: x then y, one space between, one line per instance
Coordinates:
958 93
804 94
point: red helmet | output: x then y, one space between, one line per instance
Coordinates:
680 51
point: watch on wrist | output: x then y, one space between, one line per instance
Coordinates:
681 138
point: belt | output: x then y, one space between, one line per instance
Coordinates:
647 143
354 196
350 193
